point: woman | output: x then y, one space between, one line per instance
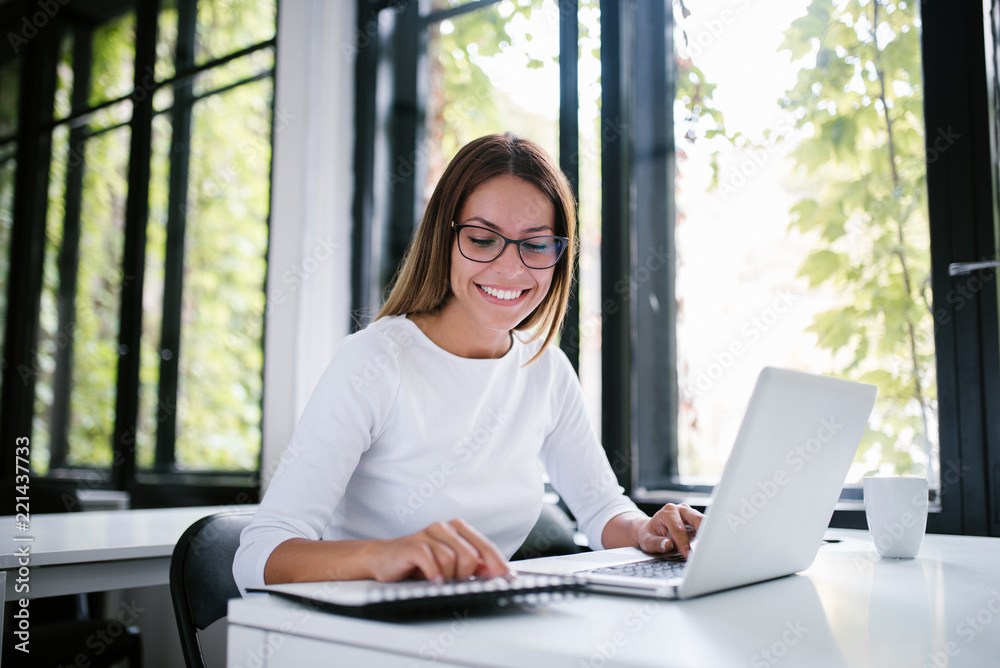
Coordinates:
451 402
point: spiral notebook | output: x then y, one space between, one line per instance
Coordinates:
368 598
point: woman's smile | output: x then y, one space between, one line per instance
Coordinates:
503 295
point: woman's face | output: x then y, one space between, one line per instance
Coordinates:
494 297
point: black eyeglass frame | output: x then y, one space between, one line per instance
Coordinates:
507 242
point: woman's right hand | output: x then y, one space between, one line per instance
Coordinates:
442 551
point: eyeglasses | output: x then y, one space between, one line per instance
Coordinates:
482 245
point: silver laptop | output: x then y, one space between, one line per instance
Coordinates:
770 508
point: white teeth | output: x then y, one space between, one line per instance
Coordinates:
501 294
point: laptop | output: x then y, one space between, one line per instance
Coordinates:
769 510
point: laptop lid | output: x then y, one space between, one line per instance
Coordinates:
782 480
774 500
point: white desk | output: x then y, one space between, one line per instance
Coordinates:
70 553
96 551
849 609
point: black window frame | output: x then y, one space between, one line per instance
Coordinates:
164 484
639 401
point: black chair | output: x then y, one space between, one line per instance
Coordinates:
201 576
552 535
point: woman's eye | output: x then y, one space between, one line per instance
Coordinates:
484 242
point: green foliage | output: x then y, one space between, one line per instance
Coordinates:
221 353
113 59
98 299
694 91
226 26
465 103
218 408
860 99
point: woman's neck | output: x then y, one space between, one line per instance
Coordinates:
452 330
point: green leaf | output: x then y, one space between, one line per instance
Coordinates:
821 265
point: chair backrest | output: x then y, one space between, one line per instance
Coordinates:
201 576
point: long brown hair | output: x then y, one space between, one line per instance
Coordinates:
421 285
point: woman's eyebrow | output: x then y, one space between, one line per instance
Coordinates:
494 226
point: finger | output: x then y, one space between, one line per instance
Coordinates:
690 516
492 562
465 557
417 558
670 523
446 558
654 538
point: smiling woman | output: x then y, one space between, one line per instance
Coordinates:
491 297
379 481
511 186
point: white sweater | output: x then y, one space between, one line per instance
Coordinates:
400 434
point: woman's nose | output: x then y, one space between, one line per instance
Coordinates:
509 262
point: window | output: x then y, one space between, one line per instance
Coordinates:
136 361
756 188
9 94
815 173
457 71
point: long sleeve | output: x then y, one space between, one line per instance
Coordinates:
575 460
400 434
338 425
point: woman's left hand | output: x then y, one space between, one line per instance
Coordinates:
671 528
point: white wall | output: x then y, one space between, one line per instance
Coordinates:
309 261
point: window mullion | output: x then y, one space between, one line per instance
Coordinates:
27 244
406 134
653 269
173 270
366 69
616 327
569 153
136 215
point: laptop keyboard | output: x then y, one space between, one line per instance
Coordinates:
655 568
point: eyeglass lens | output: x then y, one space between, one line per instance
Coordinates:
481 245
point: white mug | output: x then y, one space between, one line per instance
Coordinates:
896 508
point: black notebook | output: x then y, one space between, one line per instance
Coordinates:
368 598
